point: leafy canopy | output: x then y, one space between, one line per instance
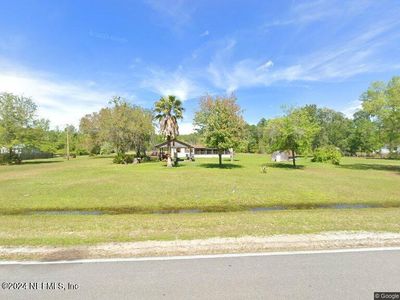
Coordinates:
382 102
123 125
168 110
295 132
220 121
18 121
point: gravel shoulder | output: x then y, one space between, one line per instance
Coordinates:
326 240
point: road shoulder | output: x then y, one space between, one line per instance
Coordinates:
246 244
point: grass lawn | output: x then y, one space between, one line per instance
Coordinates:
68 230
98 184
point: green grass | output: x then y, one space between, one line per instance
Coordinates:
86 230
98 184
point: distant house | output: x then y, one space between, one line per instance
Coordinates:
385 150
25 153
16 149
186 150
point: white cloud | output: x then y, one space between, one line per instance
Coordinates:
244 73
175 83
352 108
174 14
60 102
265 66
338 61
186 128
205 33
307 12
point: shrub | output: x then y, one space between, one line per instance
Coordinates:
106 148
123 158
146 158
394 155
5 158
327 154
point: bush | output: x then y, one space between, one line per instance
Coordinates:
327 154
123 158
146 158
106 148
5 158
394 155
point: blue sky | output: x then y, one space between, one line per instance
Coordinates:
71 57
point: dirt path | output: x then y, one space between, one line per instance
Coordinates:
327 240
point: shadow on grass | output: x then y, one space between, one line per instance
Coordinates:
284 166
35 162
228 159
102 156
377 167
223 166
164 164
179 165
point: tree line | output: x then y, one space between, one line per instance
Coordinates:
374 126
122 127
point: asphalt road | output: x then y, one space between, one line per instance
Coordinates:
349 275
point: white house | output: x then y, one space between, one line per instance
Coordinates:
185 150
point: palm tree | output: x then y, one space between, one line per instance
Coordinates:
168 110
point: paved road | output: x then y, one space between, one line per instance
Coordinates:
349 275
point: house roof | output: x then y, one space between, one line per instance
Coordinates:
180 144
174 141
199 146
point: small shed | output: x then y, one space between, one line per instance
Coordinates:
279 156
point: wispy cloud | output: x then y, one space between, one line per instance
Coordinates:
244 73
173 14
306 12
59 101
352 108
175 82
205 33
338 61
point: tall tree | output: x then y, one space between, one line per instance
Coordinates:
123 125
365 134
334 127
294 132
168 110
17 118
382 102
250 140
220 121
262 145
89 126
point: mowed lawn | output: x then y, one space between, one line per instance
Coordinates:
70 230
93 184
89 183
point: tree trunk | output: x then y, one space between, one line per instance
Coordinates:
67 144
220 158
293 159
10 155
231 155
169 161
138 151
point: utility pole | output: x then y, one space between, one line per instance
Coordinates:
67 143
